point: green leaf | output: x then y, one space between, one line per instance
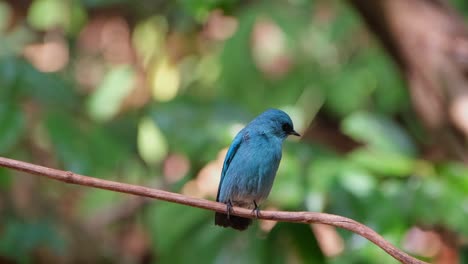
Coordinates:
199 130
70 142
378 132
456 175
94 201
200 9
350 92
67 15
384 163
106 150
357 181
5 179
56 10
236 60
291 240
106 100
5 15
391 95
12 125
171 223
48 89
152 145
19 240
10 69
288 191
323 172
204 243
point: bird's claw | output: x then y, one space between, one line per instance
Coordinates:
256 210
228 209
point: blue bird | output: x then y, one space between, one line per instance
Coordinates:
250 165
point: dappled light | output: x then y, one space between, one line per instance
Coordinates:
104 102
421 242
49 56
330 242
208 178
165 81
151 142
176 166
269 48
219 26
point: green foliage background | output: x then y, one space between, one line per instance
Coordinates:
337 73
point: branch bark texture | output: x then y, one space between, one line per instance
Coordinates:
282 216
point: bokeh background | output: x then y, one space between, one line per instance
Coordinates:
152 92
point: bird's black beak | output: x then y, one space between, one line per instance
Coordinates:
295 133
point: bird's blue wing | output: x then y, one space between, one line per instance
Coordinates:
229 156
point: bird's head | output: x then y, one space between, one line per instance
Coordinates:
276 122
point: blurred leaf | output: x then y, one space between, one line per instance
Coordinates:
172 224
95 201
149 37
384 163
197 129
9 72
323 174
77 18
357 181
236 60
68 15
5 179
456 175
70 143
464 249
378 132
350 92
165 81
48 89
5 15
391 95
105 102
462 6
340 201
94 150
287 191
19 239
152 144
296 241
57 14
200 9
203 244
448 204
12 125
106 151
345 24
323 171
102 3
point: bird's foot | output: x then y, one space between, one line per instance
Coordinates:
256 210
228 209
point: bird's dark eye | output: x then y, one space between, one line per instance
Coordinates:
287 127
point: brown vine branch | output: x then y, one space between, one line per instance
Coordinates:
282 216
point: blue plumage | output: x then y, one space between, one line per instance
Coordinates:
250 165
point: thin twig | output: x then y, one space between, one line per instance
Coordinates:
282 216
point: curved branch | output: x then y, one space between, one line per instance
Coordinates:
296 217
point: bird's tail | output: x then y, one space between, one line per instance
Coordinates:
236 222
